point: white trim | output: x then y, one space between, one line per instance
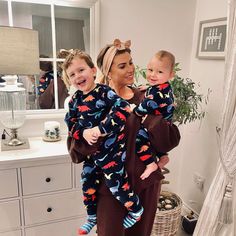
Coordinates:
78 3
45 114
10 17
54 52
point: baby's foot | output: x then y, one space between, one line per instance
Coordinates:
87 227
149 169
132 218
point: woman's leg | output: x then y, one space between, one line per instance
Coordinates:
149 198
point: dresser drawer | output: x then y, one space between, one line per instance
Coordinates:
65 228
40 179
9 215
53 207
8 183
12 233
78 171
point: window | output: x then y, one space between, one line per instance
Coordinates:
60 25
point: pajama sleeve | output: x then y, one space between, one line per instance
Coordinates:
71 120
154 100
119 112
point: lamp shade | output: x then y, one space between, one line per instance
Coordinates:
19 51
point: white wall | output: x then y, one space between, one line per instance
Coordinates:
200 149
150 25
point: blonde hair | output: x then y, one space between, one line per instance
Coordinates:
169 56
76 53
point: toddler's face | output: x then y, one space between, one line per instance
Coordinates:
159 71
81 76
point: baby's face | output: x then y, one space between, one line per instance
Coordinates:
159 71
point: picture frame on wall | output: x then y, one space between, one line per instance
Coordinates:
212 39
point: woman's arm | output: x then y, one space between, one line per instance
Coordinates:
163 136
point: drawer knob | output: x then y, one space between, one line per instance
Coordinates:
48 179
49 209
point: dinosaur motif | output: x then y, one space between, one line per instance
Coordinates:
114 189
109 142
120 115
109 165
163 86
145 157
126 186
89 98
83 108
143 148
108 176
121 136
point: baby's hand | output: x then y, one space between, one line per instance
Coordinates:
132 106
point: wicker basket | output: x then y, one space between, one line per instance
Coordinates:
167 222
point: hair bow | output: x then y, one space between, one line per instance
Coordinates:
120 45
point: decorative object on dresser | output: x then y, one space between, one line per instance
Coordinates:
19 52
12 109
51 131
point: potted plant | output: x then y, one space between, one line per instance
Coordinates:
188 102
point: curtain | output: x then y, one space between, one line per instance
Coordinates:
214 218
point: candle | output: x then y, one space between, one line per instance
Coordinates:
51 131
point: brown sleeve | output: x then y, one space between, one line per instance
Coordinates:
163 136
46 99
78 150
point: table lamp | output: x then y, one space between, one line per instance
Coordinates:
19 50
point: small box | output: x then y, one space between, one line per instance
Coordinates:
189 224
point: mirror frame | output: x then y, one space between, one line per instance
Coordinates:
94 6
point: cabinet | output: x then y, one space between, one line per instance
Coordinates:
40 191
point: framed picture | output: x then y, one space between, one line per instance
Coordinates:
212 39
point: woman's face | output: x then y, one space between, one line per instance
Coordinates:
122 70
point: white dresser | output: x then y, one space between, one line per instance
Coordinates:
40 191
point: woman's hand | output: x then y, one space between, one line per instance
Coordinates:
142 87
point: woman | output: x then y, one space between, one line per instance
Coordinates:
115 62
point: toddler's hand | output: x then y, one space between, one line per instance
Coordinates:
89 136
96 132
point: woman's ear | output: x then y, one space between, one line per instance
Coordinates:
94 69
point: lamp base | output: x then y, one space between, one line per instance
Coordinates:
6 147
15 142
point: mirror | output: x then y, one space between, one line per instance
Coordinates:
59 27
